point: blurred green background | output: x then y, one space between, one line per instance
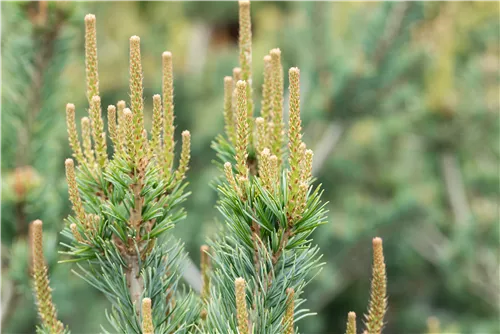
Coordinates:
400 102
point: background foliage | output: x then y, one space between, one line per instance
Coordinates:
400 104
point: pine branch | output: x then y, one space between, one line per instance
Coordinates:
168 112
43 292
276 125
241 306
228 109
91 57
269 212
205 272
290 308
351 323
124 207
245 44
147 318
378 296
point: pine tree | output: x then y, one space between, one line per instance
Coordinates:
263 256
125 203
254 272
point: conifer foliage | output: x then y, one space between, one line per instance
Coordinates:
124 203
264 257
255 270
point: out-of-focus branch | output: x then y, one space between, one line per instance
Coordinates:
429 242
192 275
391 31
455 188
483 278
198 47
326 145
10 292
8 298
434 246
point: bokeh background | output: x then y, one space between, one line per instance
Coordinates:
400 103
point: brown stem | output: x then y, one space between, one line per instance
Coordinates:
135 282
136 211
255 228
255 236
283 243
276 256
